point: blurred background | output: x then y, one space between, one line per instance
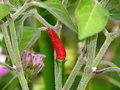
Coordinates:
45 79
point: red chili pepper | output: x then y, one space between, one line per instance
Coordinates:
57 44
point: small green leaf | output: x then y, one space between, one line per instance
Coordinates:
91 18
115 14
4 10
57 10
30 36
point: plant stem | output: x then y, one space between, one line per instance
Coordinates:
14 59
74 73
92 41
108 69
85 79
42 20
58 27
64 2
109 63
7 66
8 43
19 68
59 77
56 74
102 51
20 11
92 49
88 74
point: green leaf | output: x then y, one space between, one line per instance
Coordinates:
30 36
19 28
17 2
112 4
115 14
4 10
57 10
91 18
14 2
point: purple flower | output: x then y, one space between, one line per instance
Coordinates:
3 71
32 62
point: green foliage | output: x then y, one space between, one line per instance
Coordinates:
99 84
19 28
57 10
115 14
16 2
4 10
112 4
91 18
30 36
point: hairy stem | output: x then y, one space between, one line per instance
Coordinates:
19 68
7 66
102 51
88 74
92 42
42 20
74 73
59 77
13 57
108 69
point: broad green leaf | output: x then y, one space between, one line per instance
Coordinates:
115 14
4 10
91 18
30 36
57 10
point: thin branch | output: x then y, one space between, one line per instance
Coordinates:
42 20
92 43
7 67
65 2
106 33
109 63
88 75
88 68
115 34
109 69
102 51
73 74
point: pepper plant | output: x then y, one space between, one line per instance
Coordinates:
31 27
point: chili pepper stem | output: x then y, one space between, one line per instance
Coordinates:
59 77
